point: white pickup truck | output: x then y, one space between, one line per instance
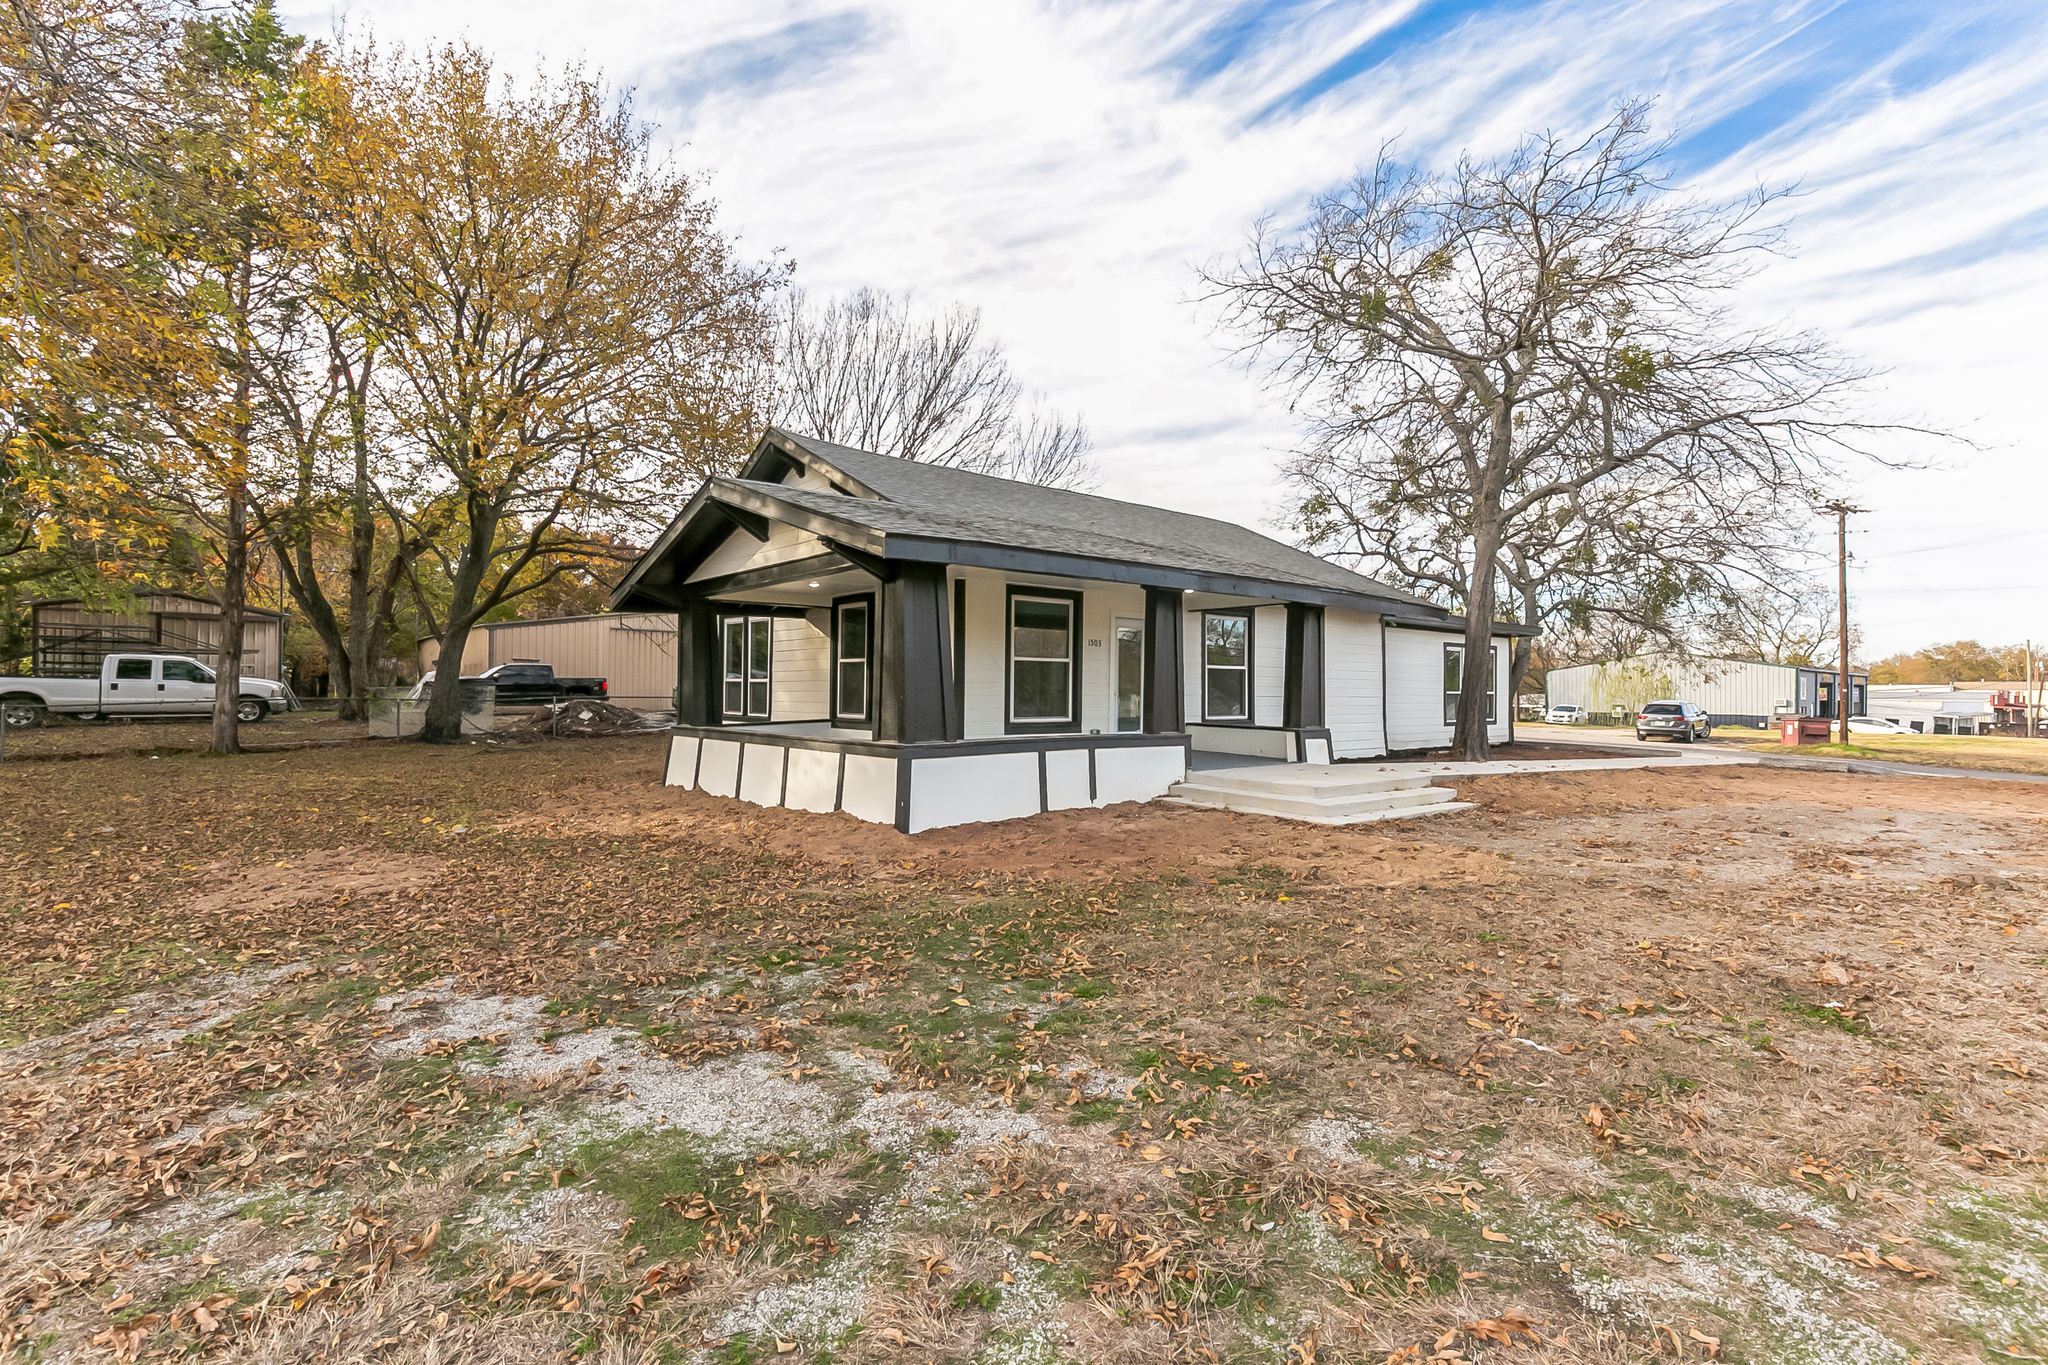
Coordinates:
136 685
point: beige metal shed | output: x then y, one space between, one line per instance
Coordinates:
635 652
69 637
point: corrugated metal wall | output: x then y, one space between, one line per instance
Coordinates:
1734 691
634 651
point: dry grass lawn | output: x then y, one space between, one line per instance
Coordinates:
1990 753
507 1054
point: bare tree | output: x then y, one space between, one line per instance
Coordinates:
1490 345
869 371
1790 624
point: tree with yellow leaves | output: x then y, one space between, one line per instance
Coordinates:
570 341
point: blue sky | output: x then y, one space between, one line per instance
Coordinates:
1067 166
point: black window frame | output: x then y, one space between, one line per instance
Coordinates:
745 715
1457 647
1250 617
1072 723
865 718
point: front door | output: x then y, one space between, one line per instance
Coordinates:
1129 696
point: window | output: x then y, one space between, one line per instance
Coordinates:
184 670
1041 648
746 666
132 670
1454 680
852 656
1226 665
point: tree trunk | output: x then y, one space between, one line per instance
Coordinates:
1523 649
1469 740
234 585
234 595
444 706
362 546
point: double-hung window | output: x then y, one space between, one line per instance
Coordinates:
1041 649
853 648
1454 682
1227 665
746 667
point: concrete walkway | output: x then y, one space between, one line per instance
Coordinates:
1510 767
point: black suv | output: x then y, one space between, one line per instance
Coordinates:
1680 720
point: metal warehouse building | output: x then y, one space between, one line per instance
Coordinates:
634 651
1734 691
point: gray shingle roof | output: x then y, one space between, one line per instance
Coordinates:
934 501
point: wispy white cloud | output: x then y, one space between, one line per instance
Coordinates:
1066 165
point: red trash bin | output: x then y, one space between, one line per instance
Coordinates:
1805 730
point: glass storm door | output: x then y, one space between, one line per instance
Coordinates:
1130 677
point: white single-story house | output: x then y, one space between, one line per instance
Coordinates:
923 646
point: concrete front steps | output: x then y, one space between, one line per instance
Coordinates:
1318 794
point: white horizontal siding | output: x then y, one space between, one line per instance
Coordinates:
798 667
1101 604
1415 689
1351 683
1269 665
982 669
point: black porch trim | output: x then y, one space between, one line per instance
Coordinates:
1165 685
908 754
868 564
914 696
945 748
1301 696
753 523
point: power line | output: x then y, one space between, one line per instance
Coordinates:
1953 545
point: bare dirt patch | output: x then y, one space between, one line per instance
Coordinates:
1614 1066
320 875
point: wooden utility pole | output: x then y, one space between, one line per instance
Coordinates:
1842 510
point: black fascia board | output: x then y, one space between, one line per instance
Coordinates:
1449 622
1125 571
753 523
631 591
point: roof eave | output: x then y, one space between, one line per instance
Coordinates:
970 554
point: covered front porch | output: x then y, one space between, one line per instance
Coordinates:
923 694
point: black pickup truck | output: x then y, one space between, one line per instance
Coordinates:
528 684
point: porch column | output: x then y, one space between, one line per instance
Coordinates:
1301 697
1164 686
698 674
916 694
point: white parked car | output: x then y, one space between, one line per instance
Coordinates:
1564 715
1871 725
136 685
